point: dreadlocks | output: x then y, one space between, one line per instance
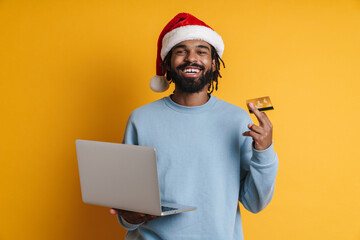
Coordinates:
166 64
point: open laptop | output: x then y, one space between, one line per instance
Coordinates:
122 176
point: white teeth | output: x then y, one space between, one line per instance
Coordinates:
191 70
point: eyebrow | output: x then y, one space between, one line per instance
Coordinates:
202 46
198 46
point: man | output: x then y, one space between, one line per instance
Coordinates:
210 154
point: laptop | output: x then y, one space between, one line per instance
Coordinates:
122 176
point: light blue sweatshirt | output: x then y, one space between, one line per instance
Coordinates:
203 161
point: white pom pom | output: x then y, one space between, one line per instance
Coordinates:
159 84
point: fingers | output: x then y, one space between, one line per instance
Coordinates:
268 120
262 134
262 117
133 217
252 134
137 218
113 211
256 129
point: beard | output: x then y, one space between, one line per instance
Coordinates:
188 84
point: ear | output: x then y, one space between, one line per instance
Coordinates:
213 66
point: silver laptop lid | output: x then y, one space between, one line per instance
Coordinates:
119 176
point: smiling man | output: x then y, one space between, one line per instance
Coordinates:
210 154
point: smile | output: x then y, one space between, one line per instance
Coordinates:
191 70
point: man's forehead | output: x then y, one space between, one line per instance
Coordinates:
193 43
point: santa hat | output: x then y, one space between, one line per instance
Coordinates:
182 27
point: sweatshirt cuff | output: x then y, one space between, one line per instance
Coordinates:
127 225
264 157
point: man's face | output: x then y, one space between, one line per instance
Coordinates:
191 65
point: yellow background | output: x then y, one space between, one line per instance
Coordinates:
76 69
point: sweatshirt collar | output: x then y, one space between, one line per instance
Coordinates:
181 108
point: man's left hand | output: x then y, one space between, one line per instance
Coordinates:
262 134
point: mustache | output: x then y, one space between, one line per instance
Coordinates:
189 65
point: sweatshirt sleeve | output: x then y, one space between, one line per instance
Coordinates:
130 137
257 174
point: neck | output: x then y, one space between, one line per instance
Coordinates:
190 99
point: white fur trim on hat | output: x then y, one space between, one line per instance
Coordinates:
159 84
191 32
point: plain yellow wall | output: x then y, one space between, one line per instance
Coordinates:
76 69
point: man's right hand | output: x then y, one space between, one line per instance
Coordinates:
132 217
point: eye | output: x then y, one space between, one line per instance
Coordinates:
180 52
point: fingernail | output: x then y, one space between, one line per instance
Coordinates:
251 104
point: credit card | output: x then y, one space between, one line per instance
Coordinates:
262 103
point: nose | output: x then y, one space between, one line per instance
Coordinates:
191 56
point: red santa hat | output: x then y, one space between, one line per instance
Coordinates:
182 27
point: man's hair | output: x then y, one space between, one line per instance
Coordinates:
166 64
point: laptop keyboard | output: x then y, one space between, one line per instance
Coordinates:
165 209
